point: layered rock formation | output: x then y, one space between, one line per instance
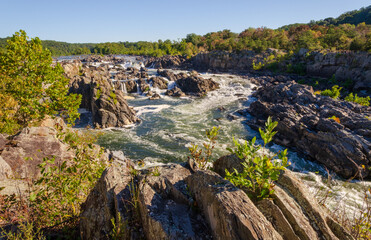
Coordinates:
107 104
166 62
352 66
347 66
176 203
189 83
333 132
21 153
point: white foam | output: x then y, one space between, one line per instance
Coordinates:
150 109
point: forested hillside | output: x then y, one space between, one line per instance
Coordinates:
350 31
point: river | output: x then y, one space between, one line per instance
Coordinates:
170 125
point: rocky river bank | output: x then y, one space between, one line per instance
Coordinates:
170 109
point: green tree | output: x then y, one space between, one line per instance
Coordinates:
28 75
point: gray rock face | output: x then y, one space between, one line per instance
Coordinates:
345 66
304 123
165 62
23 152
175 92
190 84
105 202
293 212
174 202
165 206
228 210
158 82
108 105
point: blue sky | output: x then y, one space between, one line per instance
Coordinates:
112 21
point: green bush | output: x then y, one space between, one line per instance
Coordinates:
259 170
203 158
28 76
333 93
364 101
64 186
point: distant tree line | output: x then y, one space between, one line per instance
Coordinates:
350 31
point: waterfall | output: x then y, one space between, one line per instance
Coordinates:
138 90
123 88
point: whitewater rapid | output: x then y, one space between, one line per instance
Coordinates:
170 125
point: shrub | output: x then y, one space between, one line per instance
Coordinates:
364 101
37 87
333 93
336 119
64 186
203 158
259 170
8 109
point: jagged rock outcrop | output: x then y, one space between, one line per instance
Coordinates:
226 61
167 61
176 202
175 92
293 212
228 210
72 68
346 65
164 205
352 68
158 82
109 107
106 201
107 104
190 84
342 145
20 154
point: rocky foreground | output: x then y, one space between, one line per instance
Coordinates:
174 202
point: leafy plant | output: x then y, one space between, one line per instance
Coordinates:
113 97
333 93
33 84
259 170
336 119
203 158
119 229
63 186
155 172
25 231
364 101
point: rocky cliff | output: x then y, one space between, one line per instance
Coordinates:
333 132
174 202
107 103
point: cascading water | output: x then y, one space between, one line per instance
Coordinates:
170 125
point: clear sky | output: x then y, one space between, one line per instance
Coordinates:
149 20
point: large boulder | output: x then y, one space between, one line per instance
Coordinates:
196 85
72 68
305 122
108 104
24 151
158 82
106 201
171 201
166 61
175 92
293 212
109 107
228 210
190 83
165 206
